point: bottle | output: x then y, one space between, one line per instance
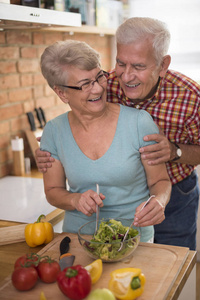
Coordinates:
18 156
27 163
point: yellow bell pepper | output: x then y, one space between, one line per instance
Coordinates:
39 233
127 283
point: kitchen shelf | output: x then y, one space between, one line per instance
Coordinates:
26 15
13 17
83 29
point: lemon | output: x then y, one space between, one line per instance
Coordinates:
95 269
42 296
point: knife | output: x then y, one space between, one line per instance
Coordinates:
33 134
39 117
31 121
66 258
43 115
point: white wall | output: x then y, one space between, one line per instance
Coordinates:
183 20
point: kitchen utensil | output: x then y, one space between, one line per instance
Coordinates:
107 251
39 117
145 204
66 258
33 133
31 120
43 115
97 210
12 234
64 245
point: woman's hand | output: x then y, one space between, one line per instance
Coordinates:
86 202
159 185
153 213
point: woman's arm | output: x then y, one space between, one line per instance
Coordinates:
159 185
57 195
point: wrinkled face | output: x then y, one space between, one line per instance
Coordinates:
91 100
137 70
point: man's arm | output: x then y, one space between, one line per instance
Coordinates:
164 151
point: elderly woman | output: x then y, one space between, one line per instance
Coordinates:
97 142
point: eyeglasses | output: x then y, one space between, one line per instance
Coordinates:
87 86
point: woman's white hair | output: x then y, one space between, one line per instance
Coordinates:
137 28
56 59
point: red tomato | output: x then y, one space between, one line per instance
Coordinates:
24 278
30 260
48 270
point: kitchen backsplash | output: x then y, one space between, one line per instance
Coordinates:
23 88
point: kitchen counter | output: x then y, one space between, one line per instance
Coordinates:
177 276
9 253
22 201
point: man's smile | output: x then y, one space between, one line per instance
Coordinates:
132 85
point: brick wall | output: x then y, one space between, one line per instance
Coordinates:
23 88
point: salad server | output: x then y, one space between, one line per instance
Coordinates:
145 204
97 209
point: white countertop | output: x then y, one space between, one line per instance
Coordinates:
22 199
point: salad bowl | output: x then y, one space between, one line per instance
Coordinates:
106 242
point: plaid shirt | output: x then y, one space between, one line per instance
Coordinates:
175 107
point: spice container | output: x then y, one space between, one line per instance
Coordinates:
18 156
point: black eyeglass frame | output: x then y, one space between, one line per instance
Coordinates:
80 87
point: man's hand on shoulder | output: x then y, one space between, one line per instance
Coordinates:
43 160
157 153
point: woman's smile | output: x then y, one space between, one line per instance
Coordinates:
95 99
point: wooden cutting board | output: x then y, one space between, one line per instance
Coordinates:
161 265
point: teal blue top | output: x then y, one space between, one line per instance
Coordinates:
119 172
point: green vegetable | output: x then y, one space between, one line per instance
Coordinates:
135 283
111 233
101 294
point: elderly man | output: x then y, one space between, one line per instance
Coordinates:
141 79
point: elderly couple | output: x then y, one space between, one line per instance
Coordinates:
134 131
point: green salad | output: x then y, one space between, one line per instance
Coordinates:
111 233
